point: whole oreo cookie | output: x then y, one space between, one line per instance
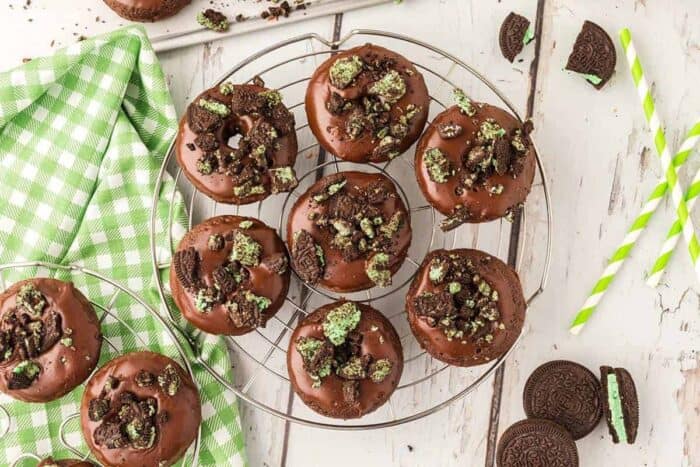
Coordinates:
566 393
536 442
515 34
593 55
620 402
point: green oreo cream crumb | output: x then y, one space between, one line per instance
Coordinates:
308 348
340 321
27 368
617 417
391 87
392 227
377 269
594 79
31 299
438 166
380 369
353 369
245 225
273 98
214 107
331 190
438 270
245 250
204 300
463 102
529 35
261 303
345 70
490 130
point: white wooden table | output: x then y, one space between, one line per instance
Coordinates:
600 166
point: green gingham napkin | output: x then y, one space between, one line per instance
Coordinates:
82 137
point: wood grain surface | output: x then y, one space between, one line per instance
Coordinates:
600 166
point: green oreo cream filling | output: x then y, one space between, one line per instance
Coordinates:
529 35
340 321
595 79
245 250
617 417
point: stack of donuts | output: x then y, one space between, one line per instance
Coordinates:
351 231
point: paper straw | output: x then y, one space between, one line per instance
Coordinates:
622 252
644 92
674 234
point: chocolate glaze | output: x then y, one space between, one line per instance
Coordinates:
62 367
466 352
174 436
329 129
340 275
482 205
50 462
328 398
220 186
263 282
146 10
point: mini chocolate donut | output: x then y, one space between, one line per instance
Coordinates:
146 10
50 462
230 275
475 163
262 161
50 339
465 307
350 231
344 360
367 104
140 409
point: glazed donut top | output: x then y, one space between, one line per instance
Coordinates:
140 409
49 339
262 163
367 104
344 357
456 294
349 231
230 273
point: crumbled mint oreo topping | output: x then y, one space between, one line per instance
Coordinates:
437 164
245 250
31 300
390 88
345 70
377 269
339 352
464 305
340 321
215 107
463 102
169 380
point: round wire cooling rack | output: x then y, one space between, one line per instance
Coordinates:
427 385
105 311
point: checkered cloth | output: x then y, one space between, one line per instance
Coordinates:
82 136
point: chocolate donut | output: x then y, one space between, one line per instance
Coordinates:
229 275
146 10
49 339
262 161
140 409
367 104
475 163
344 360
50 462
350 231
465 307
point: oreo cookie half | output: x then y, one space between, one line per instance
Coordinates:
514 35
536 442
566 393
593 55
620 404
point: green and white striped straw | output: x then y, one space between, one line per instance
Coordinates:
691 196
677 196
622 252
